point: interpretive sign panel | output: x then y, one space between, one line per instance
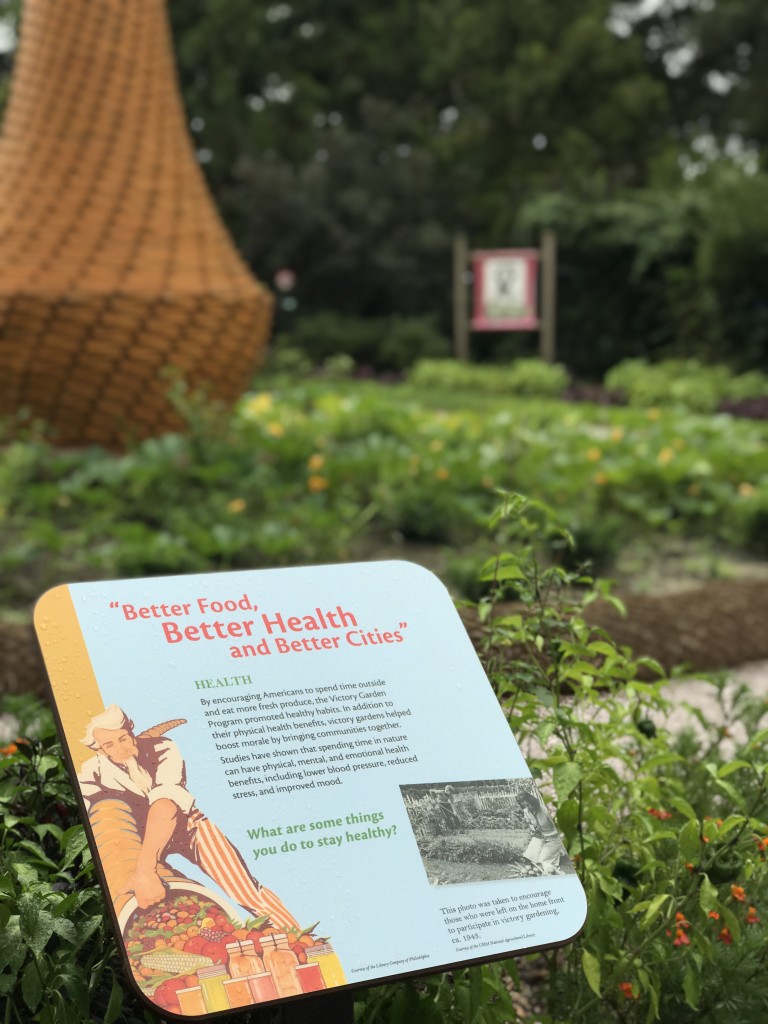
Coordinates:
297 779
505 288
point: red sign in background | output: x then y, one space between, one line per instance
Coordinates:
505 290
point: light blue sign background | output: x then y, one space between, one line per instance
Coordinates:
371 897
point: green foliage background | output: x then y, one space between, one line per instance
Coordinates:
350 142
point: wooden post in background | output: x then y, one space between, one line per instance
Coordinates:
460 303
548 325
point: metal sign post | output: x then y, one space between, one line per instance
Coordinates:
460 305
548 328
506 293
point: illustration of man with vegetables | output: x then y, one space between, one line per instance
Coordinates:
135 792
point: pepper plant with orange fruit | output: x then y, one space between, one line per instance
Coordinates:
669 832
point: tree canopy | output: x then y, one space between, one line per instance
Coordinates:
350 141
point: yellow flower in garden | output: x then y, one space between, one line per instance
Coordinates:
436 445
316 461
746 490
665 456
442 473
601 479
594 454
317 483
236 506
617 434
678 443
260 403
275 429
654 413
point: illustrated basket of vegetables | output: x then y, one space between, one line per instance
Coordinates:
171 940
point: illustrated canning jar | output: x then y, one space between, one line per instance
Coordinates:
238 992
282 962
324 956
191 1001
310 977
262 987
212 983
243 959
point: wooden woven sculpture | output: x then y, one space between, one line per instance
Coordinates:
114 263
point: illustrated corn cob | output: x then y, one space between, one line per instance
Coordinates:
171 961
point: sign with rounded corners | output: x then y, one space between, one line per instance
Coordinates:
295 780
505 289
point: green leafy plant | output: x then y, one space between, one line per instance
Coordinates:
683 382
58 960
313 470
669 833
521 377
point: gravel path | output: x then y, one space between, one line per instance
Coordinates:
705 697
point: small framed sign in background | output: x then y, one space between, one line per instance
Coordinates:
296 781
505 290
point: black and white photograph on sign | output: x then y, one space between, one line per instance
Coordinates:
504 286
484 831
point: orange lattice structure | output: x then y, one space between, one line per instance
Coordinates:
114 263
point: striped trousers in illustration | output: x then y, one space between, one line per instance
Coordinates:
207 846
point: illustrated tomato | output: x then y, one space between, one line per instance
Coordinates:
216 951
300 951
195 944
165 993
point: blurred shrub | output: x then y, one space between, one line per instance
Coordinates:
731 261
287 360
683 382
752 384
338 367
660 272
531 377
384 343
